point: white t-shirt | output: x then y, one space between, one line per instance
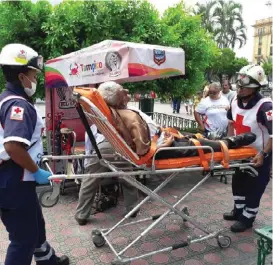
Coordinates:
230 95
215 112
88 145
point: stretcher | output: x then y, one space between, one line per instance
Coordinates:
92 108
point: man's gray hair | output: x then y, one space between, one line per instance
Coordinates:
216 85
109 91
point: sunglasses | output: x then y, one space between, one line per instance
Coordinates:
246 80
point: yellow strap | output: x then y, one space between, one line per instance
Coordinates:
224 148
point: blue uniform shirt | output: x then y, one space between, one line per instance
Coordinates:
18 120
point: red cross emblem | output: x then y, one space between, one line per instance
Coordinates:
18 110
22 51
269 113
239 126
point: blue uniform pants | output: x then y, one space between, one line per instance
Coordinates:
22 216
248 190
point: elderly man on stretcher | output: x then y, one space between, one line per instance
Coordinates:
138 129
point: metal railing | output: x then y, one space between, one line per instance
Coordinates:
165 120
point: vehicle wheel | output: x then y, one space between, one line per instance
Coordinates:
223 241
45 200
98 239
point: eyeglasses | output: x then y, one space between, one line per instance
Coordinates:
213 93
246 80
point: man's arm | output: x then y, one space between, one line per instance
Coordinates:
264 117
18 153
230 130
199 111
199 120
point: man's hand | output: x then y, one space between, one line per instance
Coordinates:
168 141
41 176
258 160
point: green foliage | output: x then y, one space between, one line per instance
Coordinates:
267 66
20 22
185 31
226 64
72 25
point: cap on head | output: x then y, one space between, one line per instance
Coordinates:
251 76
20 55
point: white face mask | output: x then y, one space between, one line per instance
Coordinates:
30 91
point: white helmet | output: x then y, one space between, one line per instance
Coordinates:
21 55
252 76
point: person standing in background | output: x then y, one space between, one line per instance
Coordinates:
214 110
227 91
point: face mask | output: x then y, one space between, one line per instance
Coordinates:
30 91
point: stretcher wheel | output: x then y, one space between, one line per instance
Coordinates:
98 239
223 241
46 200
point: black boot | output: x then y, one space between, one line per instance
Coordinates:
63 260
231 216
239 227
240 140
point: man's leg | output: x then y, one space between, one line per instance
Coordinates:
130 193
21 224
255 189
44 254
240 183
87 193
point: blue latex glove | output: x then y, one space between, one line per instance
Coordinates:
41 176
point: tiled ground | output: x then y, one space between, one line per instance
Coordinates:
206 204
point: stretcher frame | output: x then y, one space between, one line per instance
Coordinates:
100 236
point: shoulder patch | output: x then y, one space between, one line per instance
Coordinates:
269 115
17 113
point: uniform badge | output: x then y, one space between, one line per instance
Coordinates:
17 113
269 115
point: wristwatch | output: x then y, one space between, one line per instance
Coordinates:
265 155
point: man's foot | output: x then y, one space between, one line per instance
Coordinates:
231 216
240 140
239 227
63 260
81 221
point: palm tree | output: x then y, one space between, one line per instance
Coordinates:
206 12
224 20
229 25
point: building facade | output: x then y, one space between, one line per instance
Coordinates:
262 48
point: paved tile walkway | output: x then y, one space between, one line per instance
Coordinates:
206 205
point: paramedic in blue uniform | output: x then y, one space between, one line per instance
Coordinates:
251 112
20 152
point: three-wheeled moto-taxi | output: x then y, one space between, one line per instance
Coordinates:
73 104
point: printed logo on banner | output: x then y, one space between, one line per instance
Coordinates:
17 113
113 62
159 57
65 102
75 69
